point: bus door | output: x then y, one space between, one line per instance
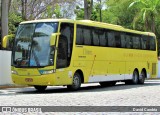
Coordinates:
65 44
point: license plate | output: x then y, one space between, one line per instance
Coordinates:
28 79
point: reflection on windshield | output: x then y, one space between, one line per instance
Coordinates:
32 45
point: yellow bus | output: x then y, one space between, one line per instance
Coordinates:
51 52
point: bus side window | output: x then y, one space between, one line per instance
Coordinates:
147 42
129 41
144 42
95 33
136 42
123 40
79 36
87 35
152 43
117 39
103 38
111 39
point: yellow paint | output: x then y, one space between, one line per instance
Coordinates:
6 40
91 60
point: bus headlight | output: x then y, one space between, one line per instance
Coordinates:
46 71
14 72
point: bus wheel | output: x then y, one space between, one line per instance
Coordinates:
76 84
40 88
109 83
142 78
135 78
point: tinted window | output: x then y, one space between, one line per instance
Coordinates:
128 41
111 39
84 35
79 36
117 39
152 43
87 36
103 38
145 43
123 40
95 34
136 42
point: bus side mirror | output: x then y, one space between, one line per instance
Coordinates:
8 41
53 39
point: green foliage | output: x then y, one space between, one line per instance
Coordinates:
148 11
57 11
14 19
119 12
79 13
52 12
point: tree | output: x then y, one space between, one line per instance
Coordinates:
117 12
148 11
88 5
14 19
4 18
9 5
24 9
81 13
37 9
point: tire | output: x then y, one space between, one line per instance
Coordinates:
135 78
40 88
142 77
109 83
76 84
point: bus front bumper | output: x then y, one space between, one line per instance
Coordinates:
47 80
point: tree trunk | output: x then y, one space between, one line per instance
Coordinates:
153 25
88 5
4 19
85 9
9 5
24 9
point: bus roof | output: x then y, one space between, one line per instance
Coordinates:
92 23
47 20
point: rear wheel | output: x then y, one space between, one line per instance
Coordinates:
135 77
76 84
40 88
108 83
134 80
142 78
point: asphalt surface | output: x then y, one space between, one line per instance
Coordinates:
89 95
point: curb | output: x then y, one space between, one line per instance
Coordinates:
153 78
11 86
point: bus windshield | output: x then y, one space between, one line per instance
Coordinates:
32 45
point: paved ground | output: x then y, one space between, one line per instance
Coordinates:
89 95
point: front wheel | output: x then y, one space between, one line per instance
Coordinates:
40 88
76 84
